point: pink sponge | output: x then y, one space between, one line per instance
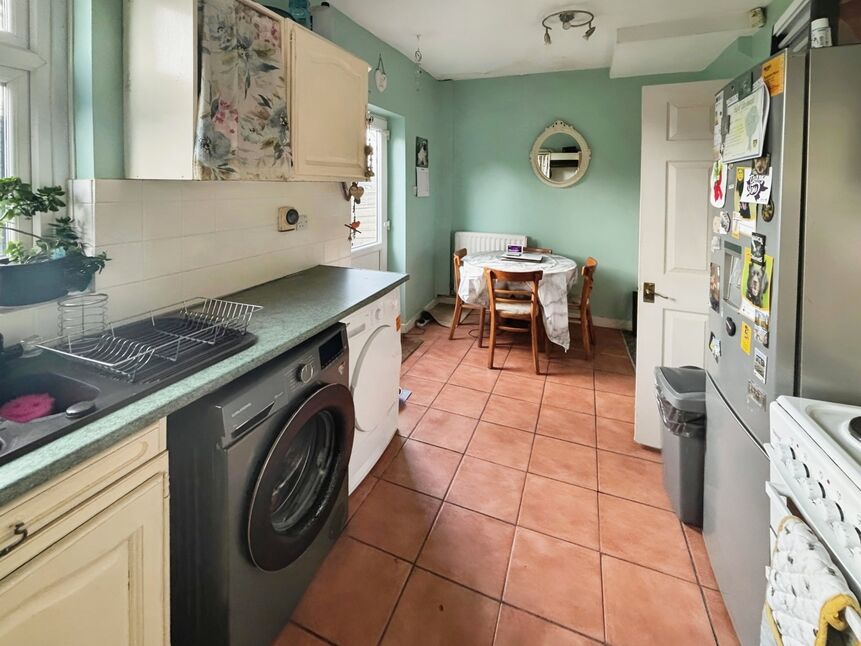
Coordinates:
27 408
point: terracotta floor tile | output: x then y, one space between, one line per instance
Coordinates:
572 372
644 535
394 519
408 416
388 455
353 594
566 461
478 357
436 612
445 429
647 607
476 377
408 363
460 400
293 635
423 467
359 494
610 363
618 436
469 548
611 382
519 362
488 488
451 351
511 412
632 478
614 406
518 628
431 367
501 444
561 510
556 580
517 387
579 400
721 621
424 390
566 425
700 555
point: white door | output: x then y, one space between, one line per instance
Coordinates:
675 233
371 244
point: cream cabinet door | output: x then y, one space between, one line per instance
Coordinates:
105 584
329 95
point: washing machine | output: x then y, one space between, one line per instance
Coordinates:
258 487
375 372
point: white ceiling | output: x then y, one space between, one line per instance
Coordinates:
463 39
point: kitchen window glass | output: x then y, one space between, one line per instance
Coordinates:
370 212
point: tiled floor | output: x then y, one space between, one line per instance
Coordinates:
514 509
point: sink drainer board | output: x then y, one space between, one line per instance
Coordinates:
127 347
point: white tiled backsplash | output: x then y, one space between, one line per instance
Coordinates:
169 241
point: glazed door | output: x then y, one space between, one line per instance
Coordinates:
300 478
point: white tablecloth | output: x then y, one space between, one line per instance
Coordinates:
560 275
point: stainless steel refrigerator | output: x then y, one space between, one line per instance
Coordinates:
808 281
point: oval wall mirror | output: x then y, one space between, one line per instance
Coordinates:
560 155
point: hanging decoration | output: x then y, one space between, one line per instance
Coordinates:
381 79
369 152
417 56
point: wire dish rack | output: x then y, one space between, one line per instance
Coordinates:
126 347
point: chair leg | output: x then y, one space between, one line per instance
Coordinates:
492 346
587 338
458 308
591 326
481 327
534 332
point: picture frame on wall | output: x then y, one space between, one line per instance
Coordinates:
422 158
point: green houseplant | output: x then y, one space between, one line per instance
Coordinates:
56 263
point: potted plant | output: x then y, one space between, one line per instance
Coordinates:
56 263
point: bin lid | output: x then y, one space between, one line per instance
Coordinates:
683 388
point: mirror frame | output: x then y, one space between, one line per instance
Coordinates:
561 127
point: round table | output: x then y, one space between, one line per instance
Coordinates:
560 275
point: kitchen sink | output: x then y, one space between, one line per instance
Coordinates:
65 391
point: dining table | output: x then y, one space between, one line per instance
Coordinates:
559 277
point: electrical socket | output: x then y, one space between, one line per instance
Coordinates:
288 218
302 224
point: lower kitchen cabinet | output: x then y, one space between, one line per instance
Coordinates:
105 580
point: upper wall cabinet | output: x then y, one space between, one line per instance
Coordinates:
228 90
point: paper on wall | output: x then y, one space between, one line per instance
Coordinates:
422 182
747 117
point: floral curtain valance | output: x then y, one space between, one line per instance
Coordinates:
243 130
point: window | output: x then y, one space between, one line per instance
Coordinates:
371 212
33 90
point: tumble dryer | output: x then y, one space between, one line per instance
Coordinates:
375 371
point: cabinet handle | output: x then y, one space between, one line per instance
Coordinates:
20 530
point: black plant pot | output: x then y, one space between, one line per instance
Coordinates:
32 283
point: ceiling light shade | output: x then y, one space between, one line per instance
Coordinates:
588 33
547 40
569 19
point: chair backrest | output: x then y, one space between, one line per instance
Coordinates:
512 294
538 250
457 261
588 272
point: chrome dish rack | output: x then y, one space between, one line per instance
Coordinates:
128 346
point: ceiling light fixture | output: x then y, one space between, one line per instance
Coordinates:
417 57
570 19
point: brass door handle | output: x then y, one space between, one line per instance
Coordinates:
649 293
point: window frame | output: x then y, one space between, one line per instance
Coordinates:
381 125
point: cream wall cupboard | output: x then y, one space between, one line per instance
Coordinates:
324 88
94 569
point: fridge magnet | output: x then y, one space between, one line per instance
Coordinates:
756 281
714 286
746 337
717 195
725 222
762 164
773 74
755 396
716 224
745 211
760 327
738 189
714 347
757 248
747 119
756 187
733 231
766 211
760 364
715 244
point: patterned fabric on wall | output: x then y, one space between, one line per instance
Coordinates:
243 130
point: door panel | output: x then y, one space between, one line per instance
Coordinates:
675 229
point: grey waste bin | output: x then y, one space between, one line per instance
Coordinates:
682 405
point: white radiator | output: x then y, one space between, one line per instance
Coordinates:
476 242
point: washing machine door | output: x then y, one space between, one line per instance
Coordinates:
301 478
376 378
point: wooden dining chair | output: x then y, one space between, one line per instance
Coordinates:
459 304
513 304
583 306
537 250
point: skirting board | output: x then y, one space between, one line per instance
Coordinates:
409 325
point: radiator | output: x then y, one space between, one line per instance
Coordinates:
476 242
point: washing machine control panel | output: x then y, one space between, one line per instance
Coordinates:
305 372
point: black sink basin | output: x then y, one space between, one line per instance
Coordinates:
65 391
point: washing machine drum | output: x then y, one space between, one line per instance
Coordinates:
376 378
301 478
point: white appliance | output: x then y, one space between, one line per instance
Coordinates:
815 474
375 371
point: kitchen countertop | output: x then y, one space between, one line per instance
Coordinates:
295 308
